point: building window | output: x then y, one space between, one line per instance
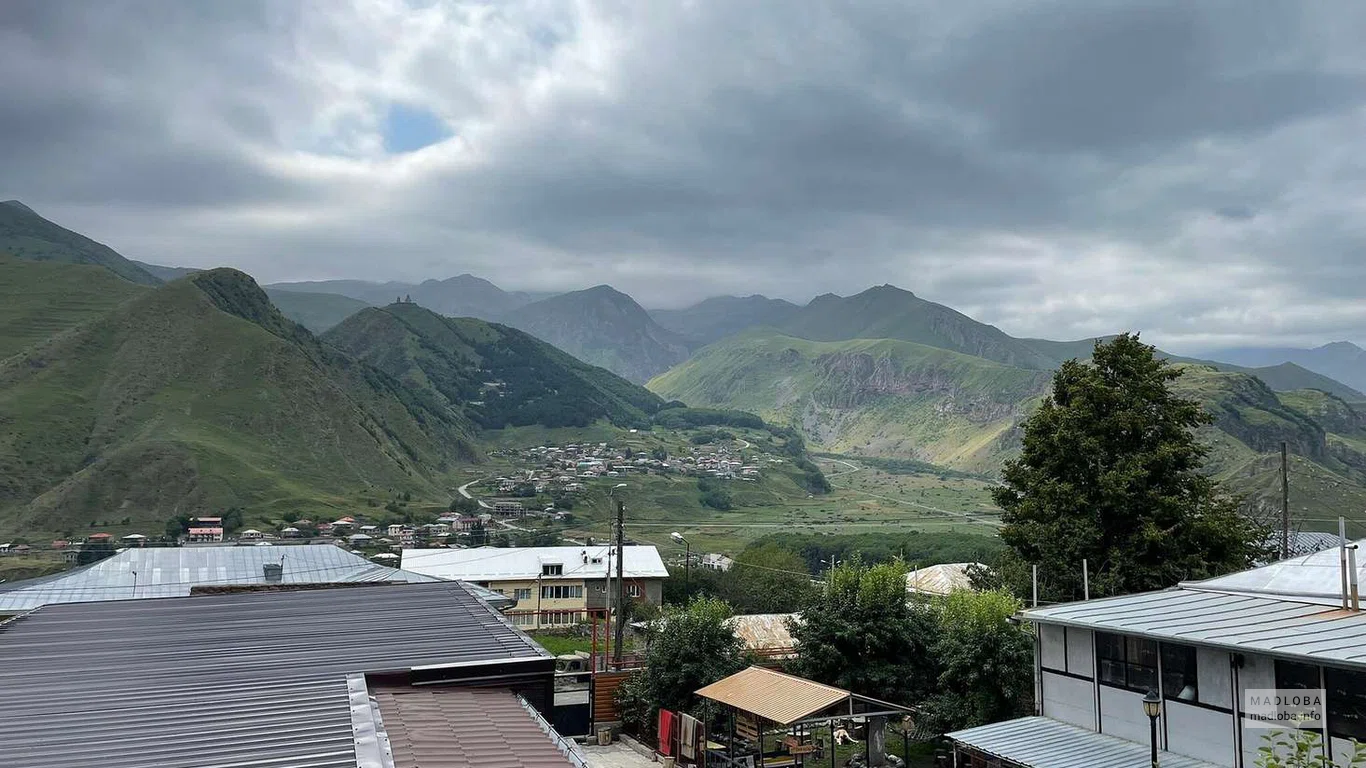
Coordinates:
560 618
524 619
554 569
1127 662
1346 703
561 592
633 590
1297 676
522 594
1178 672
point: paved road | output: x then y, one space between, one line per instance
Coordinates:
465 491
852 467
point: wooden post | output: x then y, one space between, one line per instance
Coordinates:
1085 580
621 581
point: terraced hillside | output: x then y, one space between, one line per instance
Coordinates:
40 299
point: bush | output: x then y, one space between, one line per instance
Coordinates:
714 494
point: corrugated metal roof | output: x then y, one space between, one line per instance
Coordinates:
493 563
780 698
444 727
1236 622
763 631
939 579
1038 742
173 571
1314 577
225 680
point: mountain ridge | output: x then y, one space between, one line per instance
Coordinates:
27 235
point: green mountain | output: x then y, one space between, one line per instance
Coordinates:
888 312
315 311
1340 360
721 316
896 399
197 396
39 299
459 296
498 375
605 327
878 397
164 273
25 234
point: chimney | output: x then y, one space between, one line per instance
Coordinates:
274 572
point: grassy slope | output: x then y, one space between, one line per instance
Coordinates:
171 404
454 357
29 236
877 397
41 299
887 312
315 311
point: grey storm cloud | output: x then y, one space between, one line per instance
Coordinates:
1061 169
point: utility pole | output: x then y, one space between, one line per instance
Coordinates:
621 582
1285 502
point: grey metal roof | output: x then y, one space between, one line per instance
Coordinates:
1039 742
172 571
1313 577
225 681
1233 621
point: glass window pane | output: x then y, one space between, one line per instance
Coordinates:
1178 672
1290 674
1346 703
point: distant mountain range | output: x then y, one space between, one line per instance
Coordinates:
1341 360
605 327
136 399
115 373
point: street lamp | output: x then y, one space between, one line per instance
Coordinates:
1152 707
687 561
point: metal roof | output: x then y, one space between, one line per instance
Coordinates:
494 563
213 681
172 571
444 727
1038 742
774 696
763 631
939 579
1233 621
1314 577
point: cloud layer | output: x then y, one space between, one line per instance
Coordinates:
1060 169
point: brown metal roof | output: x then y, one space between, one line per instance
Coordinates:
780 698
448 727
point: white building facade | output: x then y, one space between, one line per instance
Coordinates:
1201 647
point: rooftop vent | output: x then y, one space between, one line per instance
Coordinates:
274 572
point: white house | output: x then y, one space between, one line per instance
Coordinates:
553 586
1202 646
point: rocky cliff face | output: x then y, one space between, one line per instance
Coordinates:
852 380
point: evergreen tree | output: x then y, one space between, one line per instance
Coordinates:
1111 471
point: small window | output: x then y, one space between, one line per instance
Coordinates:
1296 676
1178 672
522 594
552 569
633 590
1346 703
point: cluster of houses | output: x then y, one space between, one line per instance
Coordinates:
564 468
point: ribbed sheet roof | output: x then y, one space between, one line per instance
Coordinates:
1038 742
780 698
240 679
443 727
1236 622
492 563
173 571
1314 577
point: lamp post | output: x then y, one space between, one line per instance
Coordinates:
687 561
1152 707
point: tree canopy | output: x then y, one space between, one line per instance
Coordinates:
985 661
861 635
691 646
1110 471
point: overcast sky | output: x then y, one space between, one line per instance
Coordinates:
1196 170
